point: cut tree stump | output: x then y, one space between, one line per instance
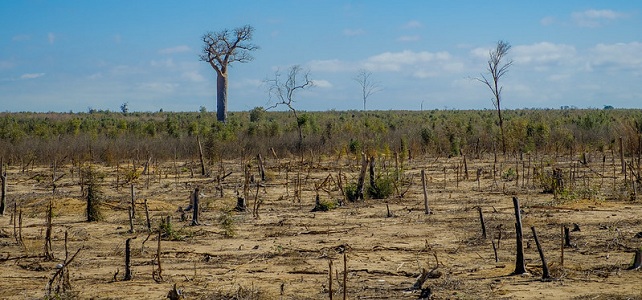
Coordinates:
637 260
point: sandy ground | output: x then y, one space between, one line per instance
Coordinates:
286 252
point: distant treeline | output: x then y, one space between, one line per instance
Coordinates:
103 136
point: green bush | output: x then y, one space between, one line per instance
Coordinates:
384 187
351 192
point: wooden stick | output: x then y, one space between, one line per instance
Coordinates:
330 279
423 184
481 219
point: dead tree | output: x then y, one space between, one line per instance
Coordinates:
3 187
195 207
545 274
496 69
157 273
423 184
368 87
259 159
133 201
148 221
128 264
362 177
219 50
61 273
200 156
330 278
48 254
481 219
284 93
520 266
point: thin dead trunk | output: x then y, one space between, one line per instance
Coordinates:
128 265
3 187
200 155
423 184
520 266
362 177
195 207
545 274
481 219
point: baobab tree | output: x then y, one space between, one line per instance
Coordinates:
283 92
497 68
368 87
219 50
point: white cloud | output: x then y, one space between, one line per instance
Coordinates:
393 61
416 64
330 65
353 32
595 18
546 21
174 50
31 75
95 76
322 83
166 63
617 56
544 53
194 76
51 37
413 24
408 38
158 87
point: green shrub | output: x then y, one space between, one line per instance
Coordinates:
351 192
384 187
226 220
324 205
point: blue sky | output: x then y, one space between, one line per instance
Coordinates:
72 55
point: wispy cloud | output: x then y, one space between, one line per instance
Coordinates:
174 50
543 54
414 24
165 63
620 56
158 87
51 37
322 83
21 37
353 32
31 75
547 21
331 65
194 76
417 64
596 18
408 38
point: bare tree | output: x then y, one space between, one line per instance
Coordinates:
283 92
497 68
219 50
368 87
3 187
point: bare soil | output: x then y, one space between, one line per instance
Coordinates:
285 253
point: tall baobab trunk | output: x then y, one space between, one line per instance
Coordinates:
221 97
